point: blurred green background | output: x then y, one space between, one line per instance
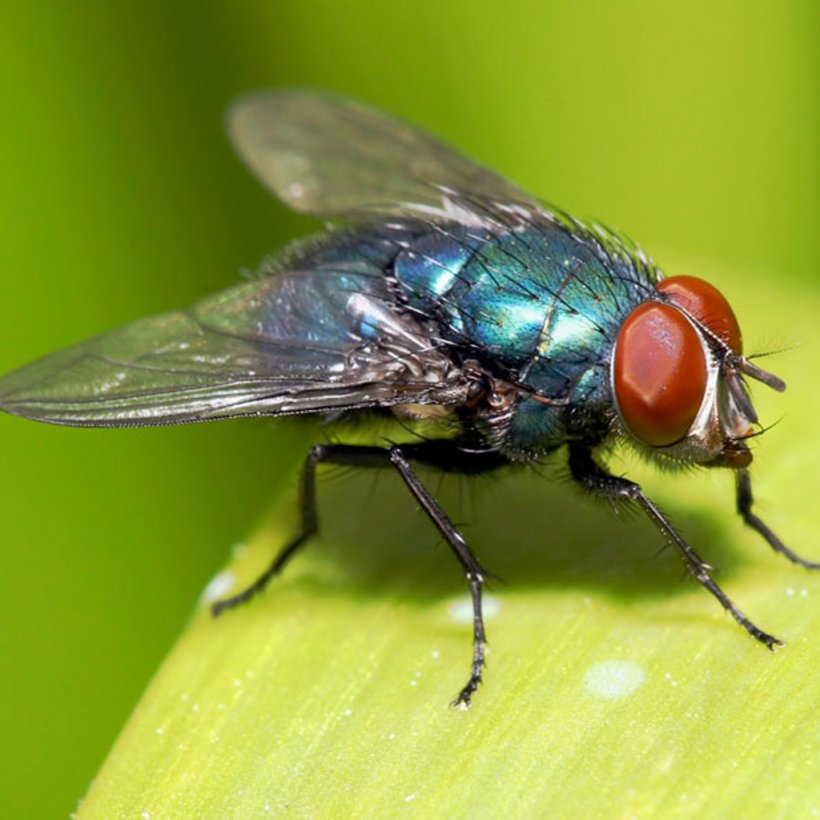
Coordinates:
696 131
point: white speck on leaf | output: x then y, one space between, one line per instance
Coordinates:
218 587
461 610
613 679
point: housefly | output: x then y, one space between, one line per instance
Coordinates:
443 292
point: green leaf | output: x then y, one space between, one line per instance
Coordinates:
615 687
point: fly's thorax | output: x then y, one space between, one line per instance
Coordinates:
676 377
524 297
540 306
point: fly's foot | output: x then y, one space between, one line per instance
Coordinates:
463 700
240 598
769 641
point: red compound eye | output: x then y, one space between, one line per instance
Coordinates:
706 304
659 373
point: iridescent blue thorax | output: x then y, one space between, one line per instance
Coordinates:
538 307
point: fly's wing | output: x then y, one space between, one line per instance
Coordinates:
300 342
330 156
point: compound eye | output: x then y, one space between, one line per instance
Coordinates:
659 374
707 304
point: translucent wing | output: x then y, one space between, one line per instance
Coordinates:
331 156
300 342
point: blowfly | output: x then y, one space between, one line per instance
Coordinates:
442 292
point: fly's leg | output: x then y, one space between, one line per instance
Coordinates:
443 454
744 507
307 505
590 475
472 569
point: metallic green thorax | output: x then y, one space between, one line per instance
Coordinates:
540 307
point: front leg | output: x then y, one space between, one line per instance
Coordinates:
744 507
590 475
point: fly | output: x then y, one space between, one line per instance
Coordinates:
446 293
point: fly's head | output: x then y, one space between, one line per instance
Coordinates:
677 376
